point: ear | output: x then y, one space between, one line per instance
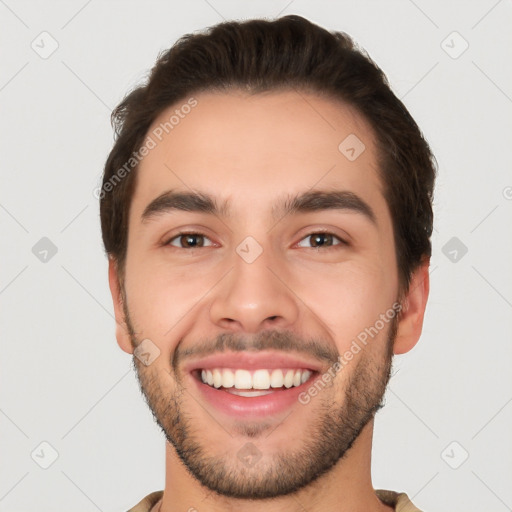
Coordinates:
410 321
122 334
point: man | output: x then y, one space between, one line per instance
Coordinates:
267 213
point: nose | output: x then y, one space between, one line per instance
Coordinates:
254 296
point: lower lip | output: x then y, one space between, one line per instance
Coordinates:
258 406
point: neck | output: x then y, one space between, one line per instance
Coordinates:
346 487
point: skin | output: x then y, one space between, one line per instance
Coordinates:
255 150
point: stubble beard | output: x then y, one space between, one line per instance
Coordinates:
334 426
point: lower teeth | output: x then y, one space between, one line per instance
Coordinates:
247 393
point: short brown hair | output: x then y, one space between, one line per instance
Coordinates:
287 53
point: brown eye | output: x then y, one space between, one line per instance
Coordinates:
188 241
322 239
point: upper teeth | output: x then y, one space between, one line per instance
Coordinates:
258 379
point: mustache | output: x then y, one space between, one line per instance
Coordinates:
283 341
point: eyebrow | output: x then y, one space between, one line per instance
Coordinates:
311 201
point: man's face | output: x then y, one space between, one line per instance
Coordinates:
257 287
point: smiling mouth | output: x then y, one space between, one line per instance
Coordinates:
253 383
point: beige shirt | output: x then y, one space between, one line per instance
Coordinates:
398 500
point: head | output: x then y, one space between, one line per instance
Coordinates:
309 187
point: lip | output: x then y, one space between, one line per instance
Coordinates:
251 407
251 360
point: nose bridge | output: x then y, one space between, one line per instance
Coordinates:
252 296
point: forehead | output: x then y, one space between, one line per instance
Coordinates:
252 148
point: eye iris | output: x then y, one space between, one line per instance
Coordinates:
192 240
316 239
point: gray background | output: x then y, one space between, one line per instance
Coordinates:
444 436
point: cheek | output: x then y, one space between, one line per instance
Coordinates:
347 300
159 298
166 300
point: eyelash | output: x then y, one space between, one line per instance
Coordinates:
197 234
